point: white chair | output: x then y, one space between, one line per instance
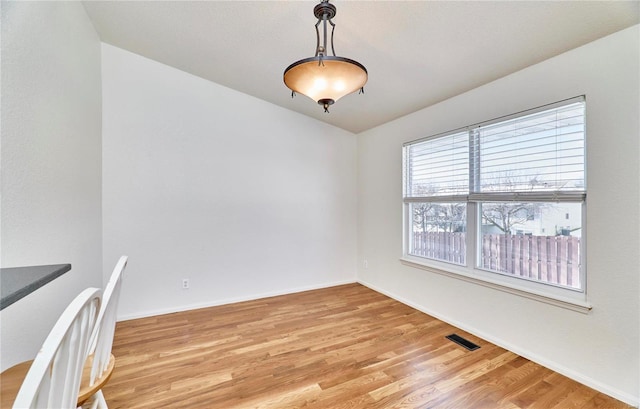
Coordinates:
53 378
101 362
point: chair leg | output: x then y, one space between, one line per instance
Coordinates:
102 404
97 401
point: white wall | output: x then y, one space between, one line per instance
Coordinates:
601 348
51 162
244 198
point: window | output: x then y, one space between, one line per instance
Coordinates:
495 198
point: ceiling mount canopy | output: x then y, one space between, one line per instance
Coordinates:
325 78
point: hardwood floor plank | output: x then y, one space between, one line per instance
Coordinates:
341 347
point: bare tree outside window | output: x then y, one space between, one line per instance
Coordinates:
504 216
438 217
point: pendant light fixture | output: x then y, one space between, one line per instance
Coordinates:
325 78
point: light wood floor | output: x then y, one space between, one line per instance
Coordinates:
341 347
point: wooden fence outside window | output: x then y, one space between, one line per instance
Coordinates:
548 259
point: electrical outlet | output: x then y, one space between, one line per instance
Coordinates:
185 283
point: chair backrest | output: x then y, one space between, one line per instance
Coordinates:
53 380
102 336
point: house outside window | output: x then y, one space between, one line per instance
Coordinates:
494 198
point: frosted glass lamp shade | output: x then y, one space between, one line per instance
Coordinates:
325 79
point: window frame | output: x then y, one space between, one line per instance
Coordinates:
563 296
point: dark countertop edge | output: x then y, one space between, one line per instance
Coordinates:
56 271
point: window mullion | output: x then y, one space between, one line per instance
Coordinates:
472 238
474 160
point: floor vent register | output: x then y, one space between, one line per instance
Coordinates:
462 342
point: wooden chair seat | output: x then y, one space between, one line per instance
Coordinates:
10 383
87 390
11 380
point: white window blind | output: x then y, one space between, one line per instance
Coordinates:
536 156
437 167
537 153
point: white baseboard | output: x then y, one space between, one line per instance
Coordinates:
215 303
568 372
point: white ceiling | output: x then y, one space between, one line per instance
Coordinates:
417 53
